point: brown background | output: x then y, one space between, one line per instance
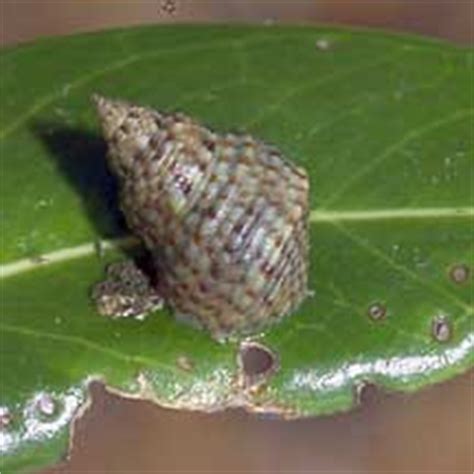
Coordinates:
27 19
429 432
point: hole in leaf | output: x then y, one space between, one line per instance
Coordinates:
256 361
460 273
377 311
367 393
5 418
441 329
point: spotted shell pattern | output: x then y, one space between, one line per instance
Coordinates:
224 216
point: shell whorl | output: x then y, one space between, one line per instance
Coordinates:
225 216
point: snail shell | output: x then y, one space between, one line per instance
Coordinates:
224 216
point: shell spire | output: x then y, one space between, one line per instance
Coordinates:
126 128
111 114
224 216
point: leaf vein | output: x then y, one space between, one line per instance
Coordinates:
79 341
401 268
273 107
115 66
316 216
413 134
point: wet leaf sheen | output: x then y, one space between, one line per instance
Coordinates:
382 123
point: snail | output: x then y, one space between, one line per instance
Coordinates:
223 216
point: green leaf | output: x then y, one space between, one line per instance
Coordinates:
382 123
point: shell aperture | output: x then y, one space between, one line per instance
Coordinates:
224 216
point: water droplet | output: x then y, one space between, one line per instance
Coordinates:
310 293
441 328
42 417
185 363
140 317
42 203
65 90
460 273
323 44
377 311
46 404
5 418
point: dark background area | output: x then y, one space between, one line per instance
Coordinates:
429 432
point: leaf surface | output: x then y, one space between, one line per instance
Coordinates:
382 123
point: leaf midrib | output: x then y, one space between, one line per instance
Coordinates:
390 214
317 216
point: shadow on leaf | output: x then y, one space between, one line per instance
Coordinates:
80 157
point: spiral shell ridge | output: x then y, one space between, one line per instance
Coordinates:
224 216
